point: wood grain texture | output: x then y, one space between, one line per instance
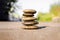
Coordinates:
14 31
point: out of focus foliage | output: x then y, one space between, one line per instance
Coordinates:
14 11
5 6
47 17
44 17
55 9
11 0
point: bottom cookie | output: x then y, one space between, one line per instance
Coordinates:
30 27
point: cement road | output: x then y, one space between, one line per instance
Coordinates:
14 31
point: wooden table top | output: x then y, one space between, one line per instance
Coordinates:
14 31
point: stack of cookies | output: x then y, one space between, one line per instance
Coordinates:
28 20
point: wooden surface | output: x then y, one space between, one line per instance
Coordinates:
14 31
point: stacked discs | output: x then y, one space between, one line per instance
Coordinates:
28 19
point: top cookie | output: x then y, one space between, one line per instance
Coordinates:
29 11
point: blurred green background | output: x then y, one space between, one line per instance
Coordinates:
47 17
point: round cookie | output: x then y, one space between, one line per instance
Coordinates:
28 15
28 18
29 11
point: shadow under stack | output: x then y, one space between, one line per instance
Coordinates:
28 20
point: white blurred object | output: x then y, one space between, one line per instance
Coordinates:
13 13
